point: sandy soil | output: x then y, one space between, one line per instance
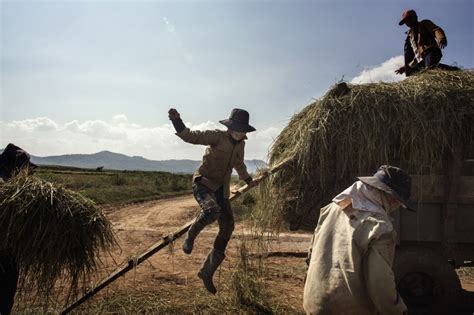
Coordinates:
139 226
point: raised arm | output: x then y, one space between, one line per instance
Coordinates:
207 137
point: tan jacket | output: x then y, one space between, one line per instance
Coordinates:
222 155
350 266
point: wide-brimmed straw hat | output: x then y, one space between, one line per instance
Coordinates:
238 121
392 180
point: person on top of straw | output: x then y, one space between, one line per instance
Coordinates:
423 44
350 258
211 181
12 160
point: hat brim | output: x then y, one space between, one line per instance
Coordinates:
402 21
375 182
236 126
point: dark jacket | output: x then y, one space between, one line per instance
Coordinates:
427 35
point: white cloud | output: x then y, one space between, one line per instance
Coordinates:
384 72
43 137
36 124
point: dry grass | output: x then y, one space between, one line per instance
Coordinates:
354 129
53 233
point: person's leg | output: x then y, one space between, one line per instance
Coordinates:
210 211
217 255
432 58
8 283
226 226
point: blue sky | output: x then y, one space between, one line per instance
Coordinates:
85 76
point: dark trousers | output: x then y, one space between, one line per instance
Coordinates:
431 60
432 57
214 207
8 282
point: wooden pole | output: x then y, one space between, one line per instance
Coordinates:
165 241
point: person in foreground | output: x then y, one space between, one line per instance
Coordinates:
12 160
351 255
211 181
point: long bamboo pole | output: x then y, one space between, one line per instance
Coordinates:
165 241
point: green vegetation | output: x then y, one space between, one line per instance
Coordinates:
116 187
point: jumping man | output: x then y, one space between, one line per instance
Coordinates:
211 181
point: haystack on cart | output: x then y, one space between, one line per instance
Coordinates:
423 124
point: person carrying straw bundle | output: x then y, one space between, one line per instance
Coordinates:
50 236
224 152
12 161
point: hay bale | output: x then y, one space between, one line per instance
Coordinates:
420 119
51 231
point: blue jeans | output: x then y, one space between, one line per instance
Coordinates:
432 57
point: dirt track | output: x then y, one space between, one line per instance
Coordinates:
139 226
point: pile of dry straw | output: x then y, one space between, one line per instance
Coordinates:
53 233
354 129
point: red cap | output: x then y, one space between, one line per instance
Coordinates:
406 15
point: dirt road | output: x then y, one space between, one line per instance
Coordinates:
139 226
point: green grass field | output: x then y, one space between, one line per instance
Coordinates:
117 187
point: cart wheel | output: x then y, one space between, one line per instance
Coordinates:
426 281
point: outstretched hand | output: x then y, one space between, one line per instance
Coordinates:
443 43
400 70
173 114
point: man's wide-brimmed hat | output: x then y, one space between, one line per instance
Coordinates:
238 121
392 180
406 15
13 159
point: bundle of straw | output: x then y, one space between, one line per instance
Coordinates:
51 232
415 124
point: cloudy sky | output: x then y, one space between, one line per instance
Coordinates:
86 76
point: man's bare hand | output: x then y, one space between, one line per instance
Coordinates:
400 70
443 43
173 114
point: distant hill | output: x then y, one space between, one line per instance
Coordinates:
116 161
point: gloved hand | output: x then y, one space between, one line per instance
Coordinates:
173 114
252 183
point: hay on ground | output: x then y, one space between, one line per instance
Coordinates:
52 232
415 124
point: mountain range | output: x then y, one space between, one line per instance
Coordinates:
116 161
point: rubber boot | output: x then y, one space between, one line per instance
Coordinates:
200 223
213 261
